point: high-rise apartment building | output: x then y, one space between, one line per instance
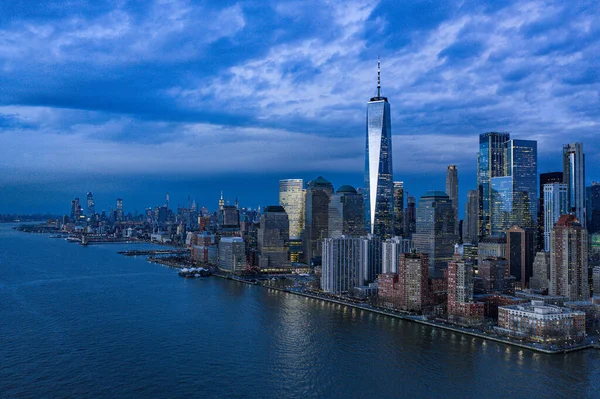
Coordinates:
470 230
390 253
346 213
379 185
435 230
273 239
569 259
490 163
343 263
316 224
461 307
413 281
574 178
291 198
555 204
541 271
398 208
371 249
545 178
452 191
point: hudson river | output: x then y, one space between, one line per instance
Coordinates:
86 322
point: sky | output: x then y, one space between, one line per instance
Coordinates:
134 99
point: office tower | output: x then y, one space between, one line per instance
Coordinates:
435 230
410 217
291 198
413 281
119 211
390 253
596 281
91 206
574 178
316 224
379 185
514 198
273 239
229 217
452 191
232 256
461 307
491 247
398 208
470 231
342 264
346 213
569 259
520 251
541 271
221 202
593 207
371 249
490 163
75 210
545 178
555 205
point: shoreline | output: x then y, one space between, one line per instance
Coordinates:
420 320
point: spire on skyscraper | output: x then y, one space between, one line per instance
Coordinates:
378 77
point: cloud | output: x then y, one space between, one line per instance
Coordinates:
166 87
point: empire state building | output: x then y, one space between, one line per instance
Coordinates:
379 184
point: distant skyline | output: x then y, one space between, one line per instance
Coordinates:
134 100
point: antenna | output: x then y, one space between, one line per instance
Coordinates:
378 77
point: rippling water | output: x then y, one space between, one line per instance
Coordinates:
86 322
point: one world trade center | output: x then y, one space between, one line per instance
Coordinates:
379 185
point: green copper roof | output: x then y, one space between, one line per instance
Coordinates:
346 189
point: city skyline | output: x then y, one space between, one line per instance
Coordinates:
148 111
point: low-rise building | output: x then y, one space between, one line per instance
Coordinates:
541 323
232 256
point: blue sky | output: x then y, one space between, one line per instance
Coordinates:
137 98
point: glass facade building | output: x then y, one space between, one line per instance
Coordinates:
435 230
291 198
574 178
346 213
379 185
555 205
513 197
490 163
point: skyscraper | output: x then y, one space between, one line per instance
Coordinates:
555 205
343 262
435 230
346 213
461 307
470 231
398 208
410 217
545 178
452 191
379 185
490 163
593 207
514 198
520 251
316 224
291 198
574 177
273 239
91 206
119 212
569 259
